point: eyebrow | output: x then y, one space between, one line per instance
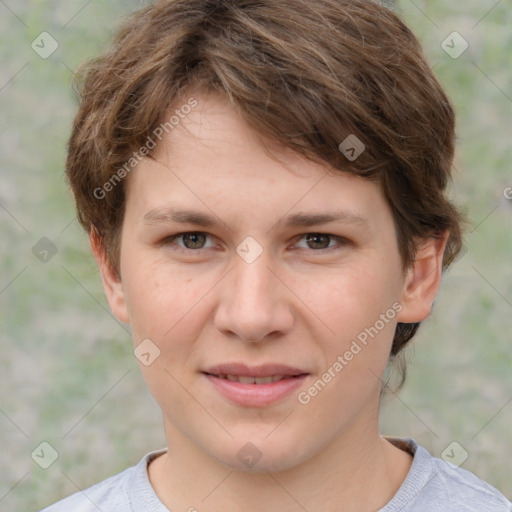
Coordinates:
170 215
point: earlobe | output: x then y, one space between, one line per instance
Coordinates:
112 284
423 280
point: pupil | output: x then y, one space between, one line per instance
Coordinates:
193 238
316 238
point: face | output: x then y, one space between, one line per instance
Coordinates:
236 264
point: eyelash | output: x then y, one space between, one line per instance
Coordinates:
170 240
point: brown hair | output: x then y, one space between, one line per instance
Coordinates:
305 74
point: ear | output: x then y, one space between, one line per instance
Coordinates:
111 281
422 280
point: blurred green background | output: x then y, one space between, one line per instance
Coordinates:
67 370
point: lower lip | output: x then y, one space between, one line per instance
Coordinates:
256 395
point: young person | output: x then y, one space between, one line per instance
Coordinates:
263 183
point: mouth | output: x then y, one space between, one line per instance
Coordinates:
255 386
253 380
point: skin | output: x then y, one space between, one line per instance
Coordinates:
298 303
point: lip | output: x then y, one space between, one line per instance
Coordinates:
264 370
255 395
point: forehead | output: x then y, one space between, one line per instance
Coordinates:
216 131
213 160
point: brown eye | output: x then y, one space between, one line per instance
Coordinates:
193 240
321 242
318 240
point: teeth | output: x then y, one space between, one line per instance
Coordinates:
248 380
252 380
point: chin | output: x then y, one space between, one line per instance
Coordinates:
257 454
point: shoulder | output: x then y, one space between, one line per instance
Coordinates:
434 485
465 491
111 495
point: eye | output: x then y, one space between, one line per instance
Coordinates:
321 241
196 240
192 240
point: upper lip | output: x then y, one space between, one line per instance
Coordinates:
243 370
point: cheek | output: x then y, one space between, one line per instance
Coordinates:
354 327
358 307
166 307
162 300
347 301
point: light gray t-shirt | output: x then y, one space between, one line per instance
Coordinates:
432 485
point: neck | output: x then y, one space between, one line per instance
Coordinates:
357 471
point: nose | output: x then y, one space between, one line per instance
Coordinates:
254 304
